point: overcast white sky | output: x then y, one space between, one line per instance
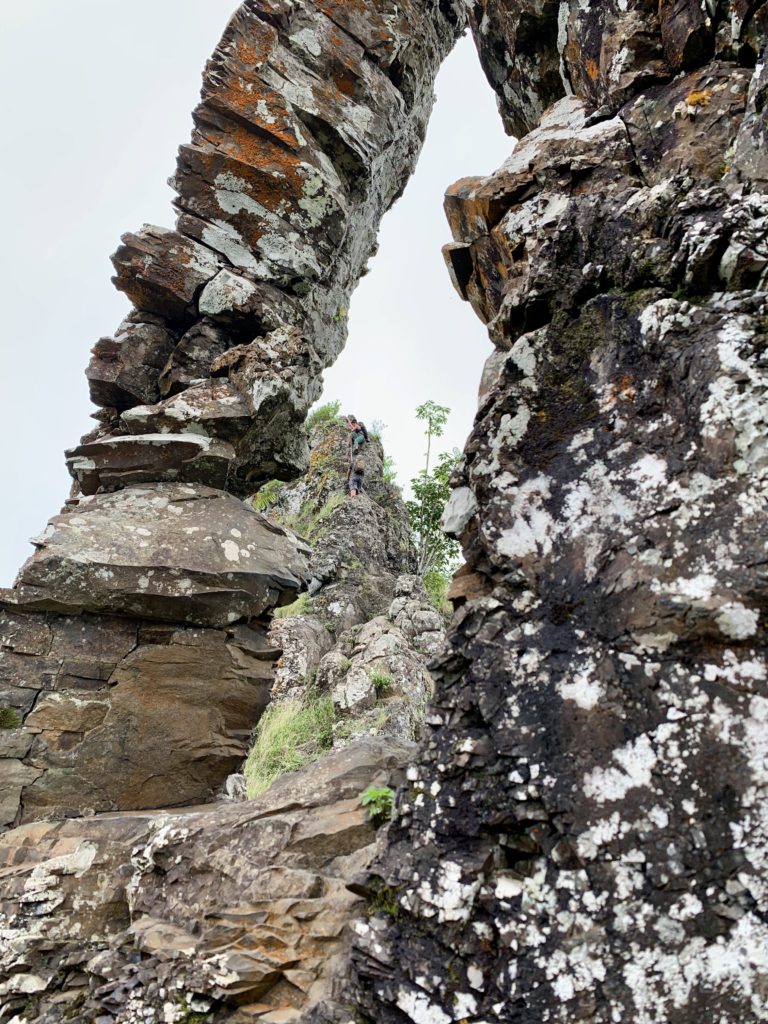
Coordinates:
97 96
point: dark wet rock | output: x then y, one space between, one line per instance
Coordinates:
113 462
125 370
192 358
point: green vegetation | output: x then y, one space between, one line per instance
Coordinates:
191 1016
323 414
389 471
435 416
437 584
379 803
307 521
381 682
289 736
435 551
383 900
267 495
9 718
301 606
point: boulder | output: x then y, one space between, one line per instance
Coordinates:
211 408
190 362
162 271
169 551
113 462
125 370
177 716
173 707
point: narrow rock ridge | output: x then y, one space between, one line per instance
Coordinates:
367 628
311 120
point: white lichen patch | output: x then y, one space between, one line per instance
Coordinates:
634 763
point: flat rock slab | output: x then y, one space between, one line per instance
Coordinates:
166 551
213 408
113 462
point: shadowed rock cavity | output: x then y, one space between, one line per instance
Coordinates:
581 836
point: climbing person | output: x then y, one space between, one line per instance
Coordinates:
358 435
356 482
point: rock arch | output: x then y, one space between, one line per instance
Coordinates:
583 835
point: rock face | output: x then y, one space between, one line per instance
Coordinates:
237 910
367 629
582 836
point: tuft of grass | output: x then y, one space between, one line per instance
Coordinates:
301 606
289 736
323 414
437 585
382 682
9 718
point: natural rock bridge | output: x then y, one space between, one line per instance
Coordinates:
584 834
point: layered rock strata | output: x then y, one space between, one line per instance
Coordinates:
310 122
236 913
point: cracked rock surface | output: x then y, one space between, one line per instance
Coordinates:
238 911
582 837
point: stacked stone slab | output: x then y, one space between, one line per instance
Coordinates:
238 911
311 119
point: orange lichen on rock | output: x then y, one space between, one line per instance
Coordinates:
699 98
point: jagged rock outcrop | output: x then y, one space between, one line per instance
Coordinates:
582 839
234 911
310 122
582 834
366 630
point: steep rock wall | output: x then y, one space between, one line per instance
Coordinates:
583 836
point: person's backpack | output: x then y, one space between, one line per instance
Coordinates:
359 467
362 427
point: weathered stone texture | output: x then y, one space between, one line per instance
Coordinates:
311 118
236 911
365 632
535 52
120 713
581 838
